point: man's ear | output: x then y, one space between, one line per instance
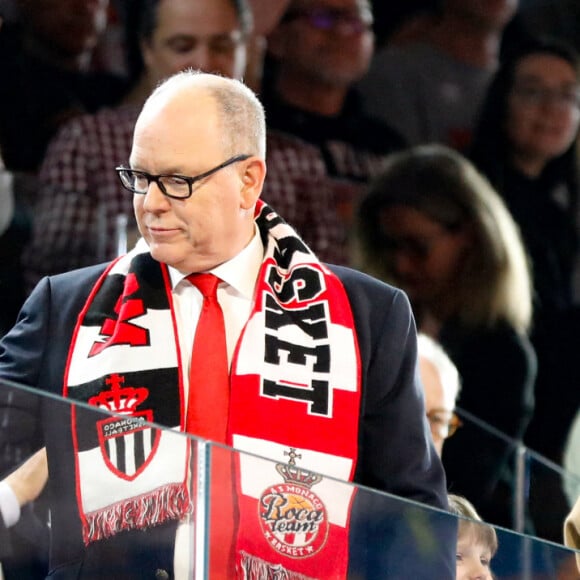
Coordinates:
146 54
253 176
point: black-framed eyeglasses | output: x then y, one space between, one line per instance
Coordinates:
171 185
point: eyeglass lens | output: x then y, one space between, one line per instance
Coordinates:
537 94
443 423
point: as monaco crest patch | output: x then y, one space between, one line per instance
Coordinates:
293 518
127 443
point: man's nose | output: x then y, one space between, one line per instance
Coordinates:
201 56
155 199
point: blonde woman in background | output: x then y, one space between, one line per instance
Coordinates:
432 225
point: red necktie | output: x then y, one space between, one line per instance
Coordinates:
207 417
209 382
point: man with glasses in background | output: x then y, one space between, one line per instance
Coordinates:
441 386
315 55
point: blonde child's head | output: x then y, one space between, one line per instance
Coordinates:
476 541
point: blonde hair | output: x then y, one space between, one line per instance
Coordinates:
469 522
495 283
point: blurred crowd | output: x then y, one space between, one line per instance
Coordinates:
430 143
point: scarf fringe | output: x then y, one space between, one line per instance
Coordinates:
163 504
255 568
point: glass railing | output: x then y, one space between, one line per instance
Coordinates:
540 492
131 499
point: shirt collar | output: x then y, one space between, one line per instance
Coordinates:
240 272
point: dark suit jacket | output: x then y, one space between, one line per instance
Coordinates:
24 547
393 453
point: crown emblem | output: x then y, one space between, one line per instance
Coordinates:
294 474
119 400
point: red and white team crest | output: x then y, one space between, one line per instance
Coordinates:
293 518
127 443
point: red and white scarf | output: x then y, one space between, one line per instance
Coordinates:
295 397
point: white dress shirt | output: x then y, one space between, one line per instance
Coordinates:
235 296
9 506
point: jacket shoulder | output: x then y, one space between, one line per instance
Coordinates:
70 288
357 283
78 277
